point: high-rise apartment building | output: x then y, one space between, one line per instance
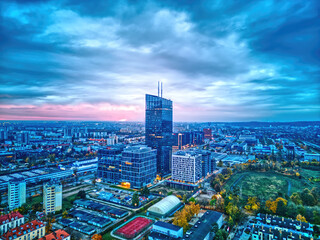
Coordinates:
138 165
16 193
186 167
159 130
52 197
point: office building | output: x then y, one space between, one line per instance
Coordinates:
31 230
186 167
109 169
138 165
9 221
16 193
159 130
207 133
52 197
109 165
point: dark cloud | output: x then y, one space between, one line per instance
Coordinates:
234 60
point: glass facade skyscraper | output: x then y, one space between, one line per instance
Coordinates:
159 130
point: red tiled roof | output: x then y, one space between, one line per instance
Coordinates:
57 235
10 217
23 229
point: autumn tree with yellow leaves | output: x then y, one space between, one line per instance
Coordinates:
181 218
301 218
272 205
252 204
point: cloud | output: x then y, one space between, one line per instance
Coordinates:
224 60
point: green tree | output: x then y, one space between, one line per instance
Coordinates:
295 197
145 191
281 208
135 200
221 234
220 163
184 198
82 194
308 198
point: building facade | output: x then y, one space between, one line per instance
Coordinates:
16 194
31 230
186 167
9 221
109 165
138 165
52 197
159 130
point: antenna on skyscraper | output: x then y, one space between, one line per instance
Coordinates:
161 89
158 89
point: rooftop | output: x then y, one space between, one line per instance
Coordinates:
22 230
57 235
10 217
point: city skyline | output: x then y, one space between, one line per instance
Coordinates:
218 61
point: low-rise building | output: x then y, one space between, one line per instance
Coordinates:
202 228
31 230
57 235
162 230
10 220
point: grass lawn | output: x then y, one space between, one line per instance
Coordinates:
107 236
265 184
67 202
307 173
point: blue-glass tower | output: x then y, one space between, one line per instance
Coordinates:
159 130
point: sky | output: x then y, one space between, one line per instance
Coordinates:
249 60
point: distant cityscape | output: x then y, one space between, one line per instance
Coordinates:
83 180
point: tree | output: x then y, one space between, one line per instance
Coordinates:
221 234
192 199
272 205
252 204
94 181
82 194
308 198
96 237
301 218
65 214
145 191
295 197
184 198
135 200
220 163
281 208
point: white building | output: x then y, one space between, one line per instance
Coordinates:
163 230
186 166
52 197
16 194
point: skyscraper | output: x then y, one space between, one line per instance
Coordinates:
159 130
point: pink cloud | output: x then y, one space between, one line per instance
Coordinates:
102 111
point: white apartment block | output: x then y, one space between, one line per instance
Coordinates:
52 197
186 167
16 194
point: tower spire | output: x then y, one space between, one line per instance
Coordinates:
161 89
